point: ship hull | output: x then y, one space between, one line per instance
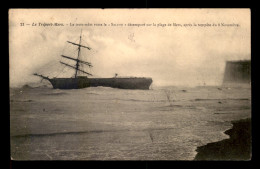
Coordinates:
83 82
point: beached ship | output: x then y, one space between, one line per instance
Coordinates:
77 82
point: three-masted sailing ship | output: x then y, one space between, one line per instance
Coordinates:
78 82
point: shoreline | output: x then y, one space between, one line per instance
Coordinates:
237 147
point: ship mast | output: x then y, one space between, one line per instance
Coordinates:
77 64
77 60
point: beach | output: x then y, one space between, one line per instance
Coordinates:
99 123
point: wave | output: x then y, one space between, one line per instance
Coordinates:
225 113
33 86
165 100
55 94
93 93
173 106
221 99
88 132
61 133
21 100
27 87
137 100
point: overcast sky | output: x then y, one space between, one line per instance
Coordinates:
170 55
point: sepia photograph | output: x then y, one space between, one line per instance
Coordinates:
130 84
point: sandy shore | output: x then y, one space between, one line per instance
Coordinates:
110 124
237 147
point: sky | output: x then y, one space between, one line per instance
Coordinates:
170 55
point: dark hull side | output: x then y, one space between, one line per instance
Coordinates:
83 82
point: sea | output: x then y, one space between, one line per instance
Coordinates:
102 123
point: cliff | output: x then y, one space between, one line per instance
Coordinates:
237 72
